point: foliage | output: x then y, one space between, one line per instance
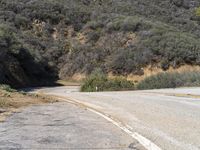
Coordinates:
7 88
170 80
98 81
198 11
64 37
175 48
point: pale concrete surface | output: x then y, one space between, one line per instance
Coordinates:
61 126
172 123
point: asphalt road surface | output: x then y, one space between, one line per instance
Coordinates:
157 119
61 126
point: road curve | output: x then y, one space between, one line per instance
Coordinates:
168 121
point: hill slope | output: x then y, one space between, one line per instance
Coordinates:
46 40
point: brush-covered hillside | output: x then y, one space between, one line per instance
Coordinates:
43 40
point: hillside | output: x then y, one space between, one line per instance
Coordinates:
41 41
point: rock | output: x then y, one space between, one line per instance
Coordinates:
2 110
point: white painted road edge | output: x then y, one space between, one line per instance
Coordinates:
142 140
146 143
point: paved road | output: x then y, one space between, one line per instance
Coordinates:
61 126
171 123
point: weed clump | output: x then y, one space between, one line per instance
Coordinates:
7 88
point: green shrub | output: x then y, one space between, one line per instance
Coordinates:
198 11
8 39
7 88
170 80
94 25
5 31
175 48
115 25
21 21
98 81
129 23
119 84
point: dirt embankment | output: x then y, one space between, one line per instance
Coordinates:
11 102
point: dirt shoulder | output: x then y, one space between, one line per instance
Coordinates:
11 102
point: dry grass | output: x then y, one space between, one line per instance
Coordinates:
149 71
12 101
185 95
69 82
77 79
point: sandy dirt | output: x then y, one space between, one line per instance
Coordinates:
11 102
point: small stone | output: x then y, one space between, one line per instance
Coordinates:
2 110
